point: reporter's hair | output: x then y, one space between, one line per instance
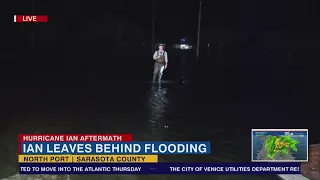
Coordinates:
161 44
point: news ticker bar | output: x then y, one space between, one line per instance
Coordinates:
88 158
30 18
159 168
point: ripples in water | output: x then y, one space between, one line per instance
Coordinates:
158 104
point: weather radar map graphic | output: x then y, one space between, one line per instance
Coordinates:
285 145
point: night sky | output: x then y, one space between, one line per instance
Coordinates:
179 18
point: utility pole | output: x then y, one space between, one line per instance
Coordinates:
32 31
153 24
199 25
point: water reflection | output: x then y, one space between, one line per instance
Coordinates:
183 66
158 104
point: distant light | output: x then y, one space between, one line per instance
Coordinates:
182 46
183 40
185 46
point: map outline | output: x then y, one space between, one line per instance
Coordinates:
280 130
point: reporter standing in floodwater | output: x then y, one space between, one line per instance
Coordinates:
160 64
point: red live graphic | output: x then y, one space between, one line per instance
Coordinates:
30 18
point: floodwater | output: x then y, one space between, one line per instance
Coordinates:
221 103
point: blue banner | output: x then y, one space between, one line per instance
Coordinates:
116 148
280 133
159 168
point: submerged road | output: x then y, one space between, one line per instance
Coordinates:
221 106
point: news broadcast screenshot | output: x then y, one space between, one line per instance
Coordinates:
160 90
274 151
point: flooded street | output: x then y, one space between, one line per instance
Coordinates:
86 67
220 104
